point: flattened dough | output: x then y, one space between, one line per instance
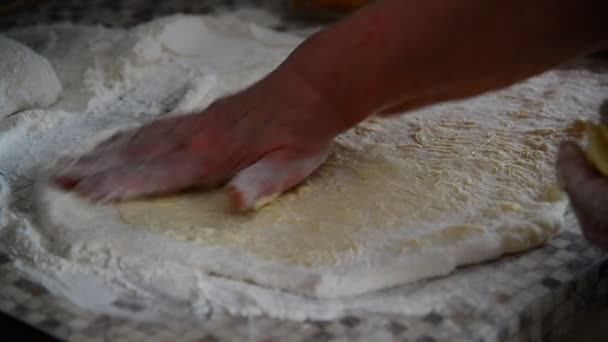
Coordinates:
380 214
27 80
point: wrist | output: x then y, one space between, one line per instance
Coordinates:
309 97
319 65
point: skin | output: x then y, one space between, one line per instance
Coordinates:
391 56
587 188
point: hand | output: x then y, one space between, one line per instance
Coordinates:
587 189
262 141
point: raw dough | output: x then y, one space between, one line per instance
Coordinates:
377 214
457 185
27 80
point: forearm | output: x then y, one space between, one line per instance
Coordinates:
411 52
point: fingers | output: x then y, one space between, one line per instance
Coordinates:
581 180
144 144
74 170
588 192
107 159
164 175
269 177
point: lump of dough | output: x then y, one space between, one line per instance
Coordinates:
27 80
597 151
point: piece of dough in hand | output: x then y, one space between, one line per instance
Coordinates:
27 80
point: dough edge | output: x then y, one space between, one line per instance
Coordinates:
89 231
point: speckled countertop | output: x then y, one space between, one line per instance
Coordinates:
543 293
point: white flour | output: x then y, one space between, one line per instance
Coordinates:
116 79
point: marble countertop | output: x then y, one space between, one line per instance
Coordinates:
544 291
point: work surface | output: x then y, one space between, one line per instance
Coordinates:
539 294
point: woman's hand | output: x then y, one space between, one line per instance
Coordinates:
392 55
261 141
587 189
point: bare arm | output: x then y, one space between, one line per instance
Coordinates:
393 54
407 53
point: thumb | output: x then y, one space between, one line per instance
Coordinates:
277 172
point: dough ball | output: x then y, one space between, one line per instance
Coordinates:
27 80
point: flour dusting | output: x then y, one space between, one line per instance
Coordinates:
115 79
